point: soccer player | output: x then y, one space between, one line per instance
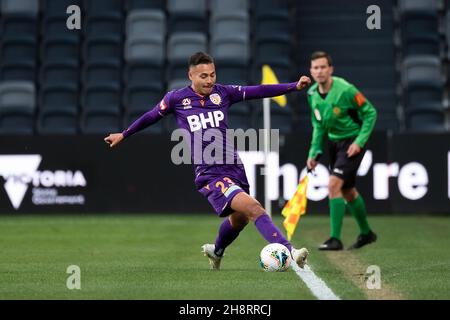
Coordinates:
203 106
341 112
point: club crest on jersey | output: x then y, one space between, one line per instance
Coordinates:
336 110
215 98
162 105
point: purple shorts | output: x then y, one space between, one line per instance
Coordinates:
220 190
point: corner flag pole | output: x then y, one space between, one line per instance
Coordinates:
268 77
267 202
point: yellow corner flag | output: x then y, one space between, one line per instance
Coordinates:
269 77
295 207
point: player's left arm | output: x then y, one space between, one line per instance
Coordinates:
240 93
368 116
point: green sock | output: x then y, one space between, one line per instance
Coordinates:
337 211
357 208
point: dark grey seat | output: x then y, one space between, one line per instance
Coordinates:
60 50
146 24
102 97
187 15
150 50
228 6
59 72
59 96
103 49
104 72
145 4
57 122
17 107
234 48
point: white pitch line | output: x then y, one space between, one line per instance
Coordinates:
317 286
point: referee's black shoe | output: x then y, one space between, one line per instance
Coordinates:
331 244
363 239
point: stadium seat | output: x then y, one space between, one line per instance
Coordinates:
61 96
419 26
427 119
99 27
59 72
19 25
105 72
20 6
273 49
142 97
21 70
60 50
187 15
63 121
143 72
231 72
55 27
103 7
151 50
101 122
180 47
419 94
104 49
145 4
447 32
102 97
17 107
263 7
222 25
228 6
421 68
234 48
146 24
57 8
271 24
18 50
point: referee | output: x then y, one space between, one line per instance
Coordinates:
341 112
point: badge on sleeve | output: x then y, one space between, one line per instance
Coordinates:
317 115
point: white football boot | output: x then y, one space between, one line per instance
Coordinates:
214 260
300 256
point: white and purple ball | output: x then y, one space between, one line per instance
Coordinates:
275 257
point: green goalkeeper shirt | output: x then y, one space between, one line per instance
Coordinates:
344 113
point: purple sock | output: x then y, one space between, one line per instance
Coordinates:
270 232
227 234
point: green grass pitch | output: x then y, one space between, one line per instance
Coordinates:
158 257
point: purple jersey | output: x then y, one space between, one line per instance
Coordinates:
199 114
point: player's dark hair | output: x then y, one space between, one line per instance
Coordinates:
322 54
200 58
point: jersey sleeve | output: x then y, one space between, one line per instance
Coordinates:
152 116
235 93
240 93
318 134
366 112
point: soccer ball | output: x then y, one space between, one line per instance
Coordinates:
275 257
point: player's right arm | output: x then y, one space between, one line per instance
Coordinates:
147 119
315 150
